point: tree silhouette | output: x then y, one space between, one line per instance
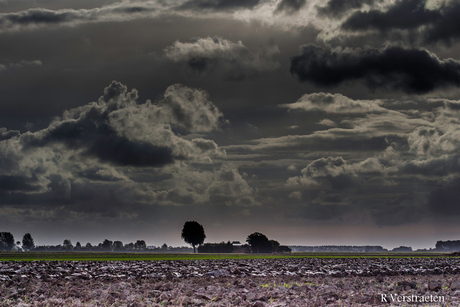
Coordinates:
118 245
28 242
274 244
107 245
259 243
67 244
140 244
6 240
193 234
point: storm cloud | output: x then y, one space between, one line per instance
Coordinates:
335 173
432 24
234 60
40 17
405 14
338 8
219 5
116 130
409 70
356 133
290 6
432 141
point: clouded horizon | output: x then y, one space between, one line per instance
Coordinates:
313 122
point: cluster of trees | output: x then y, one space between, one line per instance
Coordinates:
402 249
106 245
193 234
448 246
220 248
169 249
261 244
7 244
7 241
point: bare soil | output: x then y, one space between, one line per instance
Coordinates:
255 282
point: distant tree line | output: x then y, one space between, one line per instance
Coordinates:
220 248
402 249
7 243
193 233
369 249
339 248
106 246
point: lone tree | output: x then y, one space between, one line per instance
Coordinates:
259 243
193 234
28 242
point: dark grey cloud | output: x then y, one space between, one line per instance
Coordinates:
433 24
116 130
121 163
290 6
97 139
409 70
36 17
234 60
336 173
338 8
6 134
435 141
404 15
18 5
442 29
22 64
331 170
218 5
18 183
442 166
101 174
91 132
453 105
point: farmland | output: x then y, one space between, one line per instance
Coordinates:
119 256
226 280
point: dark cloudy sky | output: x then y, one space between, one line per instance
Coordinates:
313 122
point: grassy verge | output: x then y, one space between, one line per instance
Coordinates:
115 256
